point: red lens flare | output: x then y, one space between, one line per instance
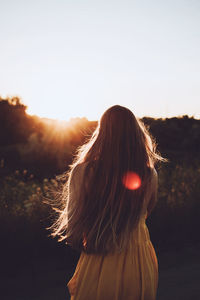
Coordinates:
131 180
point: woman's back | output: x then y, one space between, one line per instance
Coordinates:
81 176
129 274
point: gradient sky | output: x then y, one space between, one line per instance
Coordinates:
72 58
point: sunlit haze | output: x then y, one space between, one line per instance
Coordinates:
68 59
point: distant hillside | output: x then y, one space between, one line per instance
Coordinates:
46 146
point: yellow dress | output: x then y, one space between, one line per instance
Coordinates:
129 275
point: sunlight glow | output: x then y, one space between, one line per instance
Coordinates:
65 112
58 125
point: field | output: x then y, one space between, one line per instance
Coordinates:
33 265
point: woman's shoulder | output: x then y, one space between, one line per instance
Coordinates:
153 176
154 179
152 172
81 174
80 166
79 169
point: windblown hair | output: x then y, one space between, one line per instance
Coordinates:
101 217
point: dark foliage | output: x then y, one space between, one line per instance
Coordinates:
33 150
178 138
43 146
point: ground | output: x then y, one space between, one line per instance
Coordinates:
179 278
179 275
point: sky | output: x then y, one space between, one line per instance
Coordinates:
76 58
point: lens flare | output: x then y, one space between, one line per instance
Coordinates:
131 180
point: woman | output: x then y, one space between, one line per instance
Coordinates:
111 189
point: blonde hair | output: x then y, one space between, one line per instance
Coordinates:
103 216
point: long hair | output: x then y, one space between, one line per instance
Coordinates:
102 215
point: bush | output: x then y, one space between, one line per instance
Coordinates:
175 220
24 214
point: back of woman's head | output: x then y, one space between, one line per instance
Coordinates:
107 211
120 139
